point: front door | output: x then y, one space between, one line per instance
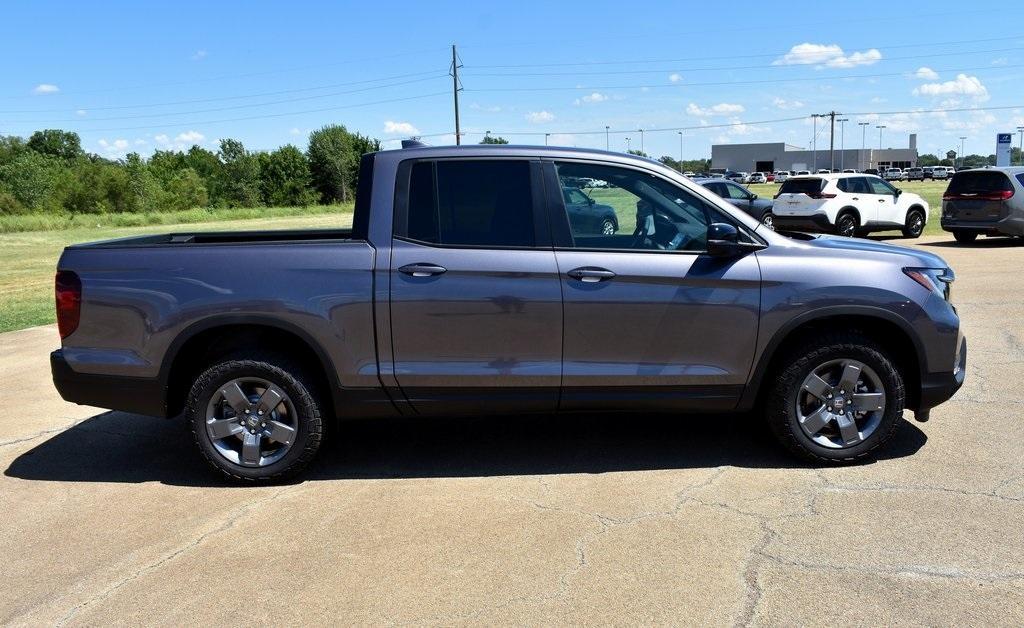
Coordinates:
476 304
650 320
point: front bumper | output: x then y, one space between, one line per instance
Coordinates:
812 222
937 388
140 395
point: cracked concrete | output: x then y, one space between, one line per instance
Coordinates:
112 518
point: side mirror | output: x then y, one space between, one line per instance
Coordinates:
898 191
590 201
723 239
753 197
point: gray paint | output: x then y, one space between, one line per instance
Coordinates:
498 319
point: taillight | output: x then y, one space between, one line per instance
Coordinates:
821 195
68 290
999 195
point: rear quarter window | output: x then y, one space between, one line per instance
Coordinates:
802 186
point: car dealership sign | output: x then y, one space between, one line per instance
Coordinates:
1003 141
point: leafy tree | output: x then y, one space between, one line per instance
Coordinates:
56 143
334 161
32 179
639 153
240 186
285 178
927 160
493 139
185 191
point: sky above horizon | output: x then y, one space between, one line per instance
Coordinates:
130 76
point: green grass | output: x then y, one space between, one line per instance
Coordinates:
930 191
59 222
28 258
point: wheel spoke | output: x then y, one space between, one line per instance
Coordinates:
848 381
222 428
270 399
816 421
848 429
817 386
251 448
868 402
280 432
233 394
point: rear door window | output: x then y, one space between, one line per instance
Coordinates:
470 203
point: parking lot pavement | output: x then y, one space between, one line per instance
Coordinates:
109 517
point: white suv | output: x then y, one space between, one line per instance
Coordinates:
940 172
848 204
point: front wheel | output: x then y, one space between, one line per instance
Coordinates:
255 419
914 225
608 227
835 399
768 220
846 225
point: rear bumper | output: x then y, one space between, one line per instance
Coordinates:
814 222
1011 225
937 388
140 395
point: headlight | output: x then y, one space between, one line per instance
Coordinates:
937 280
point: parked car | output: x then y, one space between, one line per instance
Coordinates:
759 209
464 289
848 205
927 171
781 175
688 173
738 177
915 174
850 170
588 216
893 174
941 172
873 171
757 177
823 171
987 201
769 177
801 173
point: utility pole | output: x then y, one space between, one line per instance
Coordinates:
832 140
863 134
681 150
1020 144
607 145
455 92
641 140
814 143
546 135
627 144
842 142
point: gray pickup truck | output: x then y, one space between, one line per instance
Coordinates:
464 288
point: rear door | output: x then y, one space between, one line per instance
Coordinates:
475 302
650 320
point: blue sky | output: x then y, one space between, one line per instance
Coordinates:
145 75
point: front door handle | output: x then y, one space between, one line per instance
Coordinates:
881 200
591 274
422 270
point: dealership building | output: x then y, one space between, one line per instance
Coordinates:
773 156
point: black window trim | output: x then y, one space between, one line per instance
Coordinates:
541 228
561 232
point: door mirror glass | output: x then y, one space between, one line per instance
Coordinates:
723 239
753 197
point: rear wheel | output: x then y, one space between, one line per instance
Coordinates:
255 419
846 224
914 225
835 399
768 220
965 237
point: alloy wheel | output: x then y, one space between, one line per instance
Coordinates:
840 404
251 422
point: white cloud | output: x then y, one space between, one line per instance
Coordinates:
190 137
295 131
963 85
782 103
827 55
181 141
595 97
675 77
539 117
81 112
927 74
487 108
1000 61
400 128
114 148
45 88
198 55
721 109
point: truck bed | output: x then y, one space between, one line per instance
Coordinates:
222 237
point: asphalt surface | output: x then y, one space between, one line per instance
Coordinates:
113 518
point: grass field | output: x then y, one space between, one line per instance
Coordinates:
28 259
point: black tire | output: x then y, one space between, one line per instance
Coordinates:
847 224
914 226
608 226
781 398
965 237
290 378
768 220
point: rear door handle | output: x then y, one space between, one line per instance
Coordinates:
591 274
881 200
422 270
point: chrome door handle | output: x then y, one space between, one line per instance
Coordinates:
422 270
590 274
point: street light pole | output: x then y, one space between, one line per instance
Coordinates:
641 140
607 146
814 142
627 144
842 142
1020 144
880 127
681 150
863 135
962 138
546 135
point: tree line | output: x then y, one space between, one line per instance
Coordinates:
51 173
